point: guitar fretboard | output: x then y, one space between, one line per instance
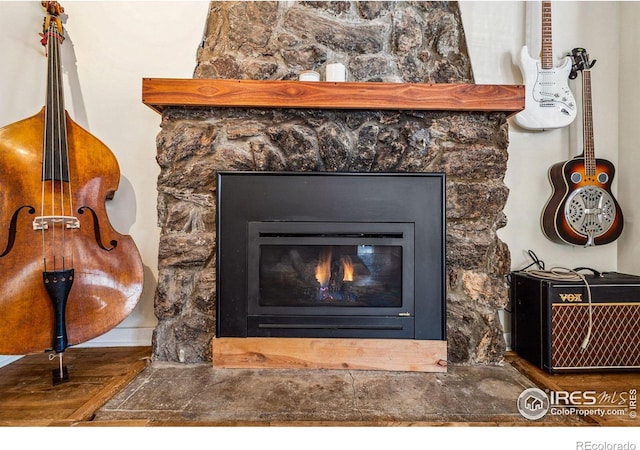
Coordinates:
547 46
587 112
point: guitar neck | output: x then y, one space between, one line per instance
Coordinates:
587 113
547 45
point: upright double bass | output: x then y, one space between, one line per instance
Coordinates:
66 275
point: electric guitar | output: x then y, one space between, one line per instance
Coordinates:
549 103
582 209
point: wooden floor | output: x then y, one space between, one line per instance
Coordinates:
28 398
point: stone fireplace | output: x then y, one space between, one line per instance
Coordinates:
399 42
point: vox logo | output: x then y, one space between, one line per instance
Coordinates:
571 297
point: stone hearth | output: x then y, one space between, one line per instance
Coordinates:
377 41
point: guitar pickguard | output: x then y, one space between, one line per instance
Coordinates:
550 92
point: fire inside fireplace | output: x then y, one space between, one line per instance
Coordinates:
297 260
330 275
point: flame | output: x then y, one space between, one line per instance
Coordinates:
347 264
323 268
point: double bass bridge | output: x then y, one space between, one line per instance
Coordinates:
43 222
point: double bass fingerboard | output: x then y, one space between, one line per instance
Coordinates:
55 165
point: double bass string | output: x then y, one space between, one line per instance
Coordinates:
60 135
50 144
48 147
56 149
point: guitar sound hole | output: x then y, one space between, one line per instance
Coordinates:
576 177
603 177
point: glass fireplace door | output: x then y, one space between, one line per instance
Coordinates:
320 269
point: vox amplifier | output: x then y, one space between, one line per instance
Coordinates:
561 325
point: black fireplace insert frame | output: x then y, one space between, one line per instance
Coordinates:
335 203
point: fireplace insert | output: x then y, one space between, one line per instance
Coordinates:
330 255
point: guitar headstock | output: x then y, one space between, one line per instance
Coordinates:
580 61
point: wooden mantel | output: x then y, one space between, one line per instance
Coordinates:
160 93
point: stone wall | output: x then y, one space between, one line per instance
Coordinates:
405 41
377 41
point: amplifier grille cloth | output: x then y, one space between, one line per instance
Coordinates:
615 336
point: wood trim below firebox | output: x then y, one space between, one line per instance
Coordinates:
159 93
404 355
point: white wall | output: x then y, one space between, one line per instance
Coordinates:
115 44
629 157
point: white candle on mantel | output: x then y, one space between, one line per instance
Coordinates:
336 72
309 75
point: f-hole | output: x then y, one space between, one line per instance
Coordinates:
96 230
12 228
